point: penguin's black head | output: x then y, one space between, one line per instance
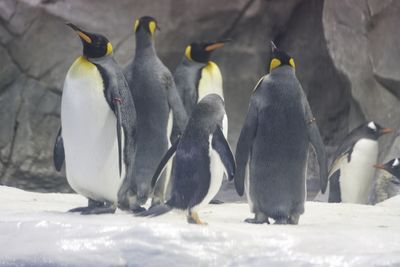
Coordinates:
392 167
374 130
279 58
94 45
201 51
146 23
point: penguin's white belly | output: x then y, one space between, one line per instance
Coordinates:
217 170
90 136
356 176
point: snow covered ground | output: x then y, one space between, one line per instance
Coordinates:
36 230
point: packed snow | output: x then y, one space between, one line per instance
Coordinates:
35 229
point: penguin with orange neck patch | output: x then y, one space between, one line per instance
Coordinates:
98 126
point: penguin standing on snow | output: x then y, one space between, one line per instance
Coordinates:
202 155
157 104
351 173
274 143
98 123
392 167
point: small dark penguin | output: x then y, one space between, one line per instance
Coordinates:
351 173
157 105
392 167
98 122
273 146
202 156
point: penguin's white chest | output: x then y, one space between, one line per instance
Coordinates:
89 134
356 176
217 170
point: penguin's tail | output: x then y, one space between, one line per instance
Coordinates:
155 210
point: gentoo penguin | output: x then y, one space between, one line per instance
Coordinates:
202 155
98 123
392 167
351 173
157 104
273 145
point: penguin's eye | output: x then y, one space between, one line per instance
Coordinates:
188 52
274 64
291 62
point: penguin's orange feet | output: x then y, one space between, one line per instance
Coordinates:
193 217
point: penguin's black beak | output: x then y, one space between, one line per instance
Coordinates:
217 44
273 47
385 131
82 34
380 166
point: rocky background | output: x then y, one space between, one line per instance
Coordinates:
347 55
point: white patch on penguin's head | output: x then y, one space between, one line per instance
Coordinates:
396 163
372 125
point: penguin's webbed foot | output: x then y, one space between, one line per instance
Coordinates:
193 218
95 207
138 210
216 201
259 218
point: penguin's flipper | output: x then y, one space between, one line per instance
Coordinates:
163 164
334 188
315 139
58 152
244 146
175 102
220 145
117 110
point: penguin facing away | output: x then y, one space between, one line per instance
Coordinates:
273 146
202 155
157 104
351 173
98 125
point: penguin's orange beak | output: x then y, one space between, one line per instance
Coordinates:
216 45
379 166
386 130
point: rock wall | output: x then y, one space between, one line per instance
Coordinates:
346 55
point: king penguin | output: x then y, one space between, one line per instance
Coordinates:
273 146
197 76
202 155
392 167
157 105
351 173
98 125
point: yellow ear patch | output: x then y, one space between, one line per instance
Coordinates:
188 51
152 27
136 25
84 37
291 62
109 48
274 64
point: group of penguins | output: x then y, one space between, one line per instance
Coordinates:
130 135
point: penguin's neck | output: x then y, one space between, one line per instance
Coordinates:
144 45
191 63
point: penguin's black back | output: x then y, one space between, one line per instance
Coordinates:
191 168
280 147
